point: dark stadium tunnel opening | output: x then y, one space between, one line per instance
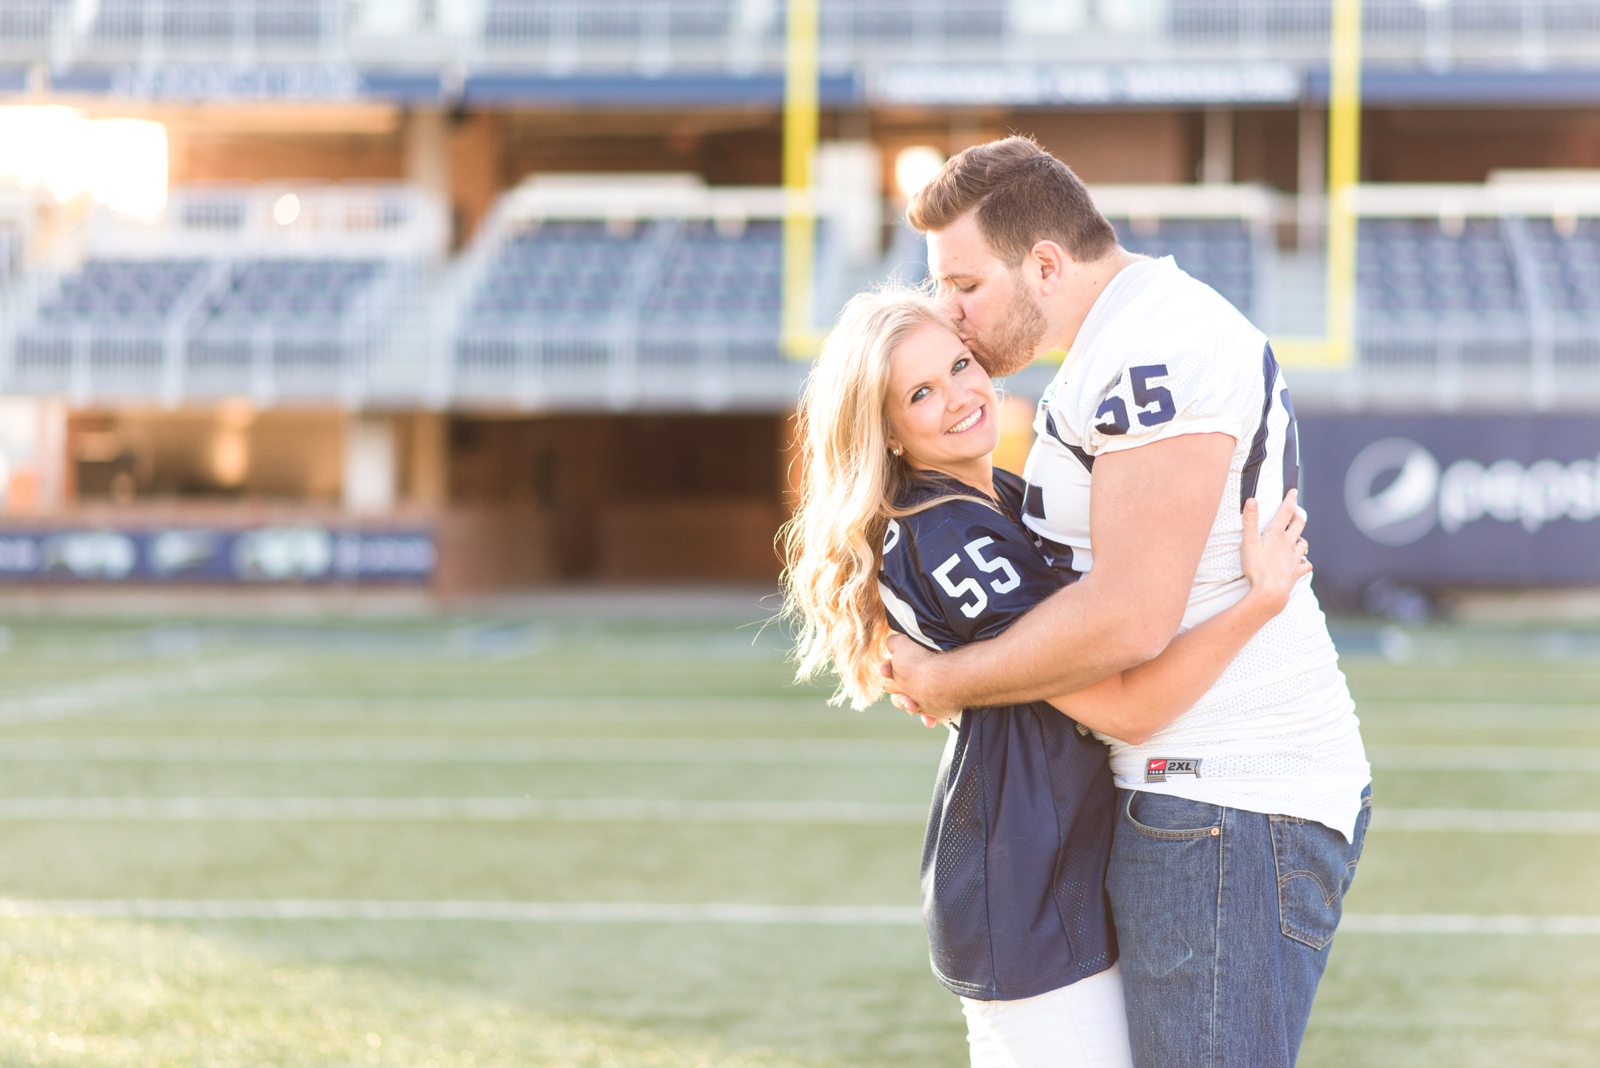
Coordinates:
629 498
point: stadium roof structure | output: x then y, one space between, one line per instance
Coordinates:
684 53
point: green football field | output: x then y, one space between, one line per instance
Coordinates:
596 842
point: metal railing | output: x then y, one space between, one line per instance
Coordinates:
653 36
191 347
632 357
411 338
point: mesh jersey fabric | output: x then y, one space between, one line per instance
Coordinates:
1019 831
1160 355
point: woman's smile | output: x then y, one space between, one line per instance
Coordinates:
974 420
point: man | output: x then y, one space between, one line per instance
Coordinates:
1239 826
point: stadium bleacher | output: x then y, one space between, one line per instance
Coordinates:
728 273
568 269
651 292
122 292
662 291
300 290
219 297
662 35
1568 254
182 20
1222 253
1439 275
1480 291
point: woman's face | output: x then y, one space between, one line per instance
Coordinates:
941 404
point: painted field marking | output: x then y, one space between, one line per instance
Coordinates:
1530 716
1484 758
424 750
1425 923
624 810
514 911
677 750
1485 821
457 808
629 912
118 690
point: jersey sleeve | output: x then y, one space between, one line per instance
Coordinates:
1175 390
974 572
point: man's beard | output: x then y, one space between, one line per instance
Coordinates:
1012 345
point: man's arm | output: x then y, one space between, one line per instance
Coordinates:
1151 510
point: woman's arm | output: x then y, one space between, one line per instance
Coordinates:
1140 701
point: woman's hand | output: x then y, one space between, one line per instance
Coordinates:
1275 557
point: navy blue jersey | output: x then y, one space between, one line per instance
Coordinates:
1014 862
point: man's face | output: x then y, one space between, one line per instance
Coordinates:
998 316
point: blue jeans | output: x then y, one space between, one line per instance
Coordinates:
1224 918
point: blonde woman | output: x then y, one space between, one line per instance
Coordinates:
904 524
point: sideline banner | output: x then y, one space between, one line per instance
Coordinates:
1452 500
271 555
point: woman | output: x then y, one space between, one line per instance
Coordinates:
904 523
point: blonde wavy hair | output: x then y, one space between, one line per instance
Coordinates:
833 546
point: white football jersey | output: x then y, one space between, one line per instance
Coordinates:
1159 355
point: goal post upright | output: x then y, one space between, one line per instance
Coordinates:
799 338
1335 350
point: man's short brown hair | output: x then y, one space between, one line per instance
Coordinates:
1022 194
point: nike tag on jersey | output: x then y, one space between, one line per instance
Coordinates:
1156 769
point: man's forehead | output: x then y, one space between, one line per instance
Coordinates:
959 250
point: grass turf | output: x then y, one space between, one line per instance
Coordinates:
693 711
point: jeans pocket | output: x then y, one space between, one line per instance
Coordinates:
1315 869
1165 816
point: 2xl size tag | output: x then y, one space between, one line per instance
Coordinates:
1156 769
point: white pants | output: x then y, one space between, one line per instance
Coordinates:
1071 1026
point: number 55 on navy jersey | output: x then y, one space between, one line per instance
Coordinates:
961 571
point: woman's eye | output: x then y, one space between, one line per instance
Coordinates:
919 394
961 365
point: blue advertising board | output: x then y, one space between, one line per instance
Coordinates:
1452 500
267 555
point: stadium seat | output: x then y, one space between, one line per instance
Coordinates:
201 20
290 293
566 271
714 277
122 292
604 21
1417 273
1569 268
1219 252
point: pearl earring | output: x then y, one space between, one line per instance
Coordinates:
897 450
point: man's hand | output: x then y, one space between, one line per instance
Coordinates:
909 681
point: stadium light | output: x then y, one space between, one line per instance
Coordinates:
1336 348
800 339
915 167
121 163
286 210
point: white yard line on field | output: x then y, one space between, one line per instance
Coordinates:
81 697
679 750
1483 758
1485 821
646 810
1425 923
628 912
456 808
516 911
484 750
